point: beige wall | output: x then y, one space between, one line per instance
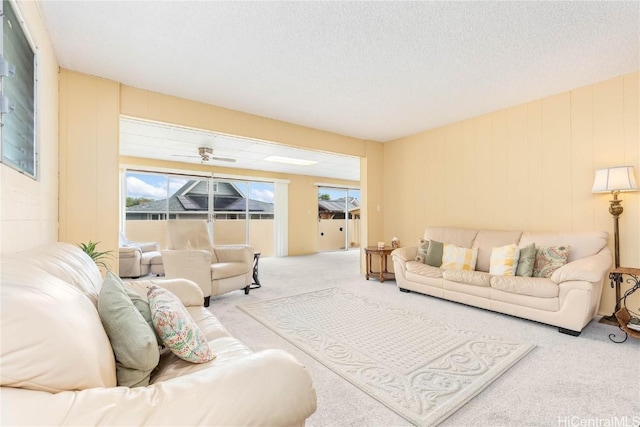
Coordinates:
89 174
528 167
29 208
169 109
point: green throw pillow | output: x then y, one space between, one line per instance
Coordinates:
421 253
434 253
134 342
142 305
526 260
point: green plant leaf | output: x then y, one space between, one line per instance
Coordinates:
99 257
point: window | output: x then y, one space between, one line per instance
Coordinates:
239 211
17 103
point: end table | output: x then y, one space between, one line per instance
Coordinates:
382 273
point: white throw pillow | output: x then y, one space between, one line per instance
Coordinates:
457 258
504 260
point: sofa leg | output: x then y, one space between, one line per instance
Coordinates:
404 290
246 290
207 300
569 332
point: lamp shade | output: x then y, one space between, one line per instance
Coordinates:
616 178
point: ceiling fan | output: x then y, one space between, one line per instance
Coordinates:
206 154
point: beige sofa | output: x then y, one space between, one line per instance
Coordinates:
568 299
57 365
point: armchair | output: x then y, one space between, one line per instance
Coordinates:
216 269
138 259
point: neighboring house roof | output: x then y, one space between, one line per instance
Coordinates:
337 205
193 197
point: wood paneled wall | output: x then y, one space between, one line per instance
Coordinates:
529 167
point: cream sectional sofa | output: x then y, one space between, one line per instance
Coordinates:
57 365
568 299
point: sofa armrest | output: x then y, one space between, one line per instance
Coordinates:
405 254
188 292
149 246
129 252
590 269
234 253
194 265
265 388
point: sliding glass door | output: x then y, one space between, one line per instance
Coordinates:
338 219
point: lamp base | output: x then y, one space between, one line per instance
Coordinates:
609 320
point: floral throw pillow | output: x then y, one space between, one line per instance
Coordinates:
549 259
421 255
176 327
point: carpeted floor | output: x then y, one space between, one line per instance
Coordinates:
564 381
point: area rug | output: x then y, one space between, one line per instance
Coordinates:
421 368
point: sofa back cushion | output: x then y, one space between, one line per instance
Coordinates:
68 263
583 243
52 337
189 235
486 240
462 237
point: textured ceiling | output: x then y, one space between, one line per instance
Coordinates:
372 70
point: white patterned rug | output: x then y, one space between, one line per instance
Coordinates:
419 367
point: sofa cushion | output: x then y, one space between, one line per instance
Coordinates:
133 339
532 286
477 278
458 258
176 328
424 269
526 260
434 253
456 236
148 257
223 270
504 260
486 240
421 251
227 349
549 259
583 244
66 347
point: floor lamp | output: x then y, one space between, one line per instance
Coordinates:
615 179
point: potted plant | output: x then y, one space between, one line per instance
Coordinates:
97 256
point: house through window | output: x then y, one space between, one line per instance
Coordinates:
238 211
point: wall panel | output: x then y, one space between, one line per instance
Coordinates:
89 151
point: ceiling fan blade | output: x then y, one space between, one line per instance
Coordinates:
222 159
184 155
